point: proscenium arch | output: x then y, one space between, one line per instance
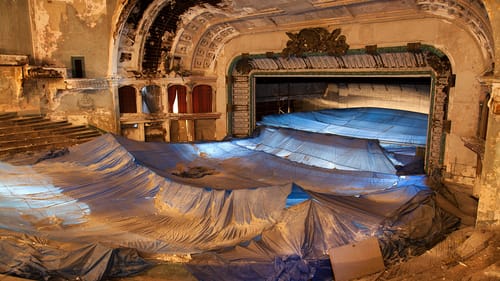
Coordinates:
404 61
333 74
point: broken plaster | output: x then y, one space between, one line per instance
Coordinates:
89 11
47 37
49 16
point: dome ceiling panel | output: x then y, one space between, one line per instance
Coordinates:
210 45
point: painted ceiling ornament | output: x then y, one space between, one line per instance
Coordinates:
315 40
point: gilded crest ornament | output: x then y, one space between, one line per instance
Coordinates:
315 40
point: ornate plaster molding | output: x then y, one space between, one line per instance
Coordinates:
315 39
469 13
356 60
210 44
199 42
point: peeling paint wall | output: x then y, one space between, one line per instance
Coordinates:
44 90
89 11
15 30
10 88
84 107
58 30
45 34
66 28
13 94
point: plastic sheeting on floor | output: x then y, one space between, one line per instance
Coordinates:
37 258
405 220
320 150
386 125
227 165
177 200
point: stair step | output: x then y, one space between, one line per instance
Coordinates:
34 140
35 147
32 133
25 119
72 129
66 130
7 115
52 124
28 126
81 134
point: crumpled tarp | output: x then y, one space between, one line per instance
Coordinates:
37 258
227 165
176 200
320 150
405 220
385 125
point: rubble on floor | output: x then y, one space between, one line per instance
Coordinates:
466 254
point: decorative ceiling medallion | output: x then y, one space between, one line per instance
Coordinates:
315 40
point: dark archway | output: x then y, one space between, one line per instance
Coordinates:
127 99
286 94
202 99
177 102
151 99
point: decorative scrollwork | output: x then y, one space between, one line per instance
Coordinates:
41 72
244 65
315 40
440 64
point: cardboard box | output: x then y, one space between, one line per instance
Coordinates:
356 260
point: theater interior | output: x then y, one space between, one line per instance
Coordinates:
249 140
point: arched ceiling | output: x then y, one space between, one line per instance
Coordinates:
159 36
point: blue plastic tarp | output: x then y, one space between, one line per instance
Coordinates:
178 200
405 220
321 150
385 125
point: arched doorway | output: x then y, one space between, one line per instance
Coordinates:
202 99
151 99
127 99
177 99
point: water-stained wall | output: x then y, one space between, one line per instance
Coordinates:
15 28
72 28
10 87
73 36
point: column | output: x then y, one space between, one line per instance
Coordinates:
240 107
488 213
